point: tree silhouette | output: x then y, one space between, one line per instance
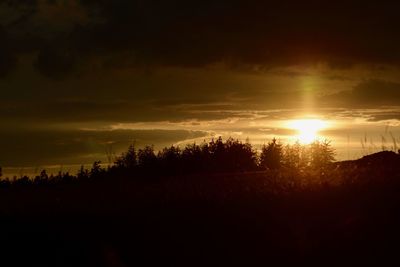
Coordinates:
240 156
42 178
23 181
192 158
169 159
216 149
321 155
4 182
147 158
127 160
271 155
83 173
96 169
292 156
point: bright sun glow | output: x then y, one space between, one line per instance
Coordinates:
307 129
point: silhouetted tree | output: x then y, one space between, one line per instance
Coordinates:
83 173
57 178
192 158
216 149
271 155
147 158
23 181
127 160
292 156
321 155
233 155
5 182
169 159
239 156
96 169
42 178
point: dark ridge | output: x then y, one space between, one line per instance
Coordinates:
383 158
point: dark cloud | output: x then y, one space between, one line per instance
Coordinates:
98 111
367 94
197 33
8 57
40 147
252 32
56 61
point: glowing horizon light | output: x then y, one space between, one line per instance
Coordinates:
307 129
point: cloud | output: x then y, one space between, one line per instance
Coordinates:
367 94
52 146
120 33
252 32
387 116
8 59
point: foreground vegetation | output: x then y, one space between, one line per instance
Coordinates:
282 207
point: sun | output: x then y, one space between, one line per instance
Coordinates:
307 129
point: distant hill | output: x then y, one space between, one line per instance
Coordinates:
380 159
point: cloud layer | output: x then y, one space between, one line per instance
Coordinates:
368 94
119 33
58 147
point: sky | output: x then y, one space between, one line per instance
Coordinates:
80 80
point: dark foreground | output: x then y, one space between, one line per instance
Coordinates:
250 219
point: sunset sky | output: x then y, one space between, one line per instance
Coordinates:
79 78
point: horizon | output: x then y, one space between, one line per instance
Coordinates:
110 156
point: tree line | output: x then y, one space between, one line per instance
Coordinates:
216 156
